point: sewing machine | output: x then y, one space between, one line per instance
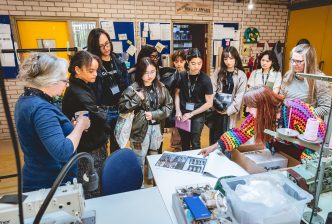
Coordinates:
67 206
304 174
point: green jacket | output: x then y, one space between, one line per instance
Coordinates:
130 101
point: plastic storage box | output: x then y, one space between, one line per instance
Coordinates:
246 212
266 160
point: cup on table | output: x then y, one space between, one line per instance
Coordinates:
82 112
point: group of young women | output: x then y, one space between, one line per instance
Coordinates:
100 84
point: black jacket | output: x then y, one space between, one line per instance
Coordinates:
80 96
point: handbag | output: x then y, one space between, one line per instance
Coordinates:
221 101
169 77
122 128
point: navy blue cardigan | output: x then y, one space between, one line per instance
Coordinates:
42 129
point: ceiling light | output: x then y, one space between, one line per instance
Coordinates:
250 5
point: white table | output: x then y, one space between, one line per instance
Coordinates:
168 179
325 203
143 206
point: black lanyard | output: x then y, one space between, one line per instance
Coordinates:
191 88
267 77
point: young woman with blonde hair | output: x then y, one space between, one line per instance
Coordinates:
315 92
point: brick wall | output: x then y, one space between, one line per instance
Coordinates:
269 16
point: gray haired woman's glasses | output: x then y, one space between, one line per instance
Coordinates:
65 81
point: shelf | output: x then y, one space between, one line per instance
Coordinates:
182 47
315 147
182 40
318 77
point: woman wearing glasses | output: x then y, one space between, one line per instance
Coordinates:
112 78
152 104
193 96
146 51
79 96
314 92
48 138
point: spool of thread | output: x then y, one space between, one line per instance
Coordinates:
311 129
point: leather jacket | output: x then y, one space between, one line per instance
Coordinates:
130 101
79 96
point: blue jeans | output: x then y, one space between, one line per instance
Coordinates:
111 118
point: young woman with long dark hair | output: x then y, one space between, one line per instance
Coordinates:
228 81
267 72
79 96
112 78
268 110
152 104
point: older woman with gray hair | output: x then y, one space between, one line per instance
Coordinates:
48 138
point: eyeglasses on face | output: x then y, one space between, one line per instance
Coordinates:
154 56
297 62
153 72
66 81
106 45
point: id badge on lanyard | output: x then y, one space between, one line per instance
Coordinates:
115 89
189 105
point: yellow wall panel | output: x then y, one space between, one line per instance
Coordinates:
309 24
327 46
30 31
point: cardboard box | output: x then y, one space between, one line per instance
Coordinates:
251 167
265 159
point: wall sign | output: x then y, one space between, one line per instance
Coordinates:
193 8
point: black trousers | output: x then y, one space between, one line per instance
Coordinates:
192 140
99 156
219 127
111 118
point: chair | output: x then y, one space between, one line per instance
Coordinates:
121 172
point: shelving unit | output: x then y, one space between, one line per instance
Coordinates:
182 38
